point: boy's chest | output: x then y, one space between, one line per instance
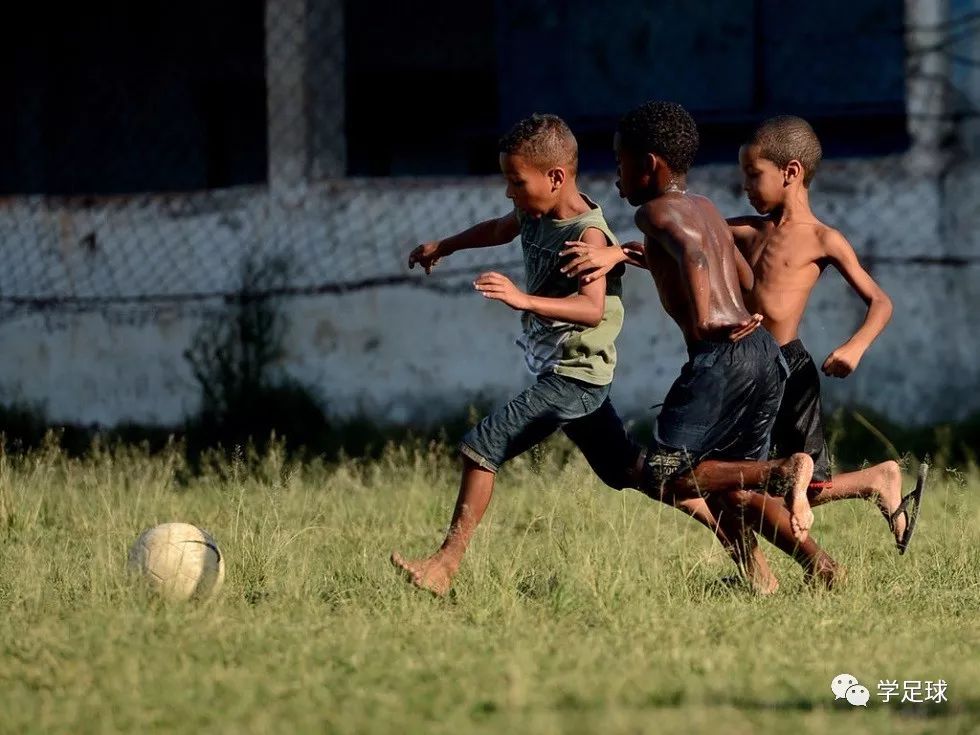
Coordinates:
776 257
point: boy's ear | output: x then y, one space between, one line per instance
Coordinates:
557 176
793 172
650 163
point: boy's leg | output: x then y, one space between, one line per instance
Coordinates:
881 484
526 420
736 537
435 573
799 428
665 472
766 514
770 517
616 459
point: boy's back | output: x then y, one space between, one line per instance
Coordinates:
698 217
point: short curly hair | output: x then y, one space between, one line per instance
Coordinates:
546 140
788 138
663 128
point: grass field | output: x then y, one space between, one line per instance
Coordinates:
578 609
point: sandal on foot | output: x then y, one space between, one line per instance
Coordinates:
910 506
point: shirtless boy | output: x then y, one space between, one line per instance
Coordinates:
788 249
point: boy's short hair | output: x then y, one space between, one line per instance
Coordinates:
786 138
545 140
663 128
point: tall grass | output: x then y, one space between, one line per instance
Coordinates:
578 609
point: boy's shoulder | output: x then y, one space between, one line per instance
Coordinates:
831 239
758 222
665 212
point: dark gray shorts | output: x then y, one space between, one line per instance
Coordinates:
722 406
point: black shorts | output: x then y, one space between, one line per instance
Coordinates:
799 422
722 406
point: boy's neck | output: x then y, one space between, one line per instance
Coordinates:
570 203
670 183
795 208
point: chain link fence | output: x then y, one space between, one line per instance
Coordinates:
146 162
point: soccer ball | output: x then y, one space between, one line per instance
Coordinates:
178 561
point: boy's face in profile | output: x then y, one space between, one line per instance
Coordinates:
631 177
532 190
762 179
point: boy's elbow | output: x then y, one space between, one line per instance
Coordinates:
886 305
594 317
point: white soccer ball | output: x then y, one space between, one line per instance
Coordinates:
178 561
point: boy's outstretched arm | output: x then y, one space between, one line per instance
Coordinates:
843 361
486 234
585 307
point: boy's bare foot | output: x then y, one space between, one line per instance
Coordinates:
434 573
826 573
887 485
762 583
798 470
758 574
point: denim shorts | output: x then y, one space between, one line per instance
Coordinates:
723 406
529 418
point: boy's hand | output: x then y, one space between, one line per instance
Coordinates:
595 260
636 252
746 328
843 361
426 255
500 288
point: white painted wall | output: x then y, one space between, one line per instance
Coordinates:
407 352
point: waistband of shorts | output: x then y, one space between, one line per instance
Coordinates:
794 349
760 337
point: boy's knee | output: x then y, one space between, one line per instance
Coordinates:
473 460
739 497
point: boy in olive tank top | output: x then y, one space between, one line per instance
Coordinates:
568 333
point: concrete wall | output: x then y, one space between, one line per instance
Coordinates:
402 347
82 339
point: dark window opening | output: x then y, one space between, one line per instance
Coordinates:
120 97
430 87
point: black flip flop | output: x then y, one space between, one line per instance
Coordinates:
910 506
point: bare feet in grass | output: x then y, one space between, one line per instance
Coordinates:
826 573
798 470
762 583
434 574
